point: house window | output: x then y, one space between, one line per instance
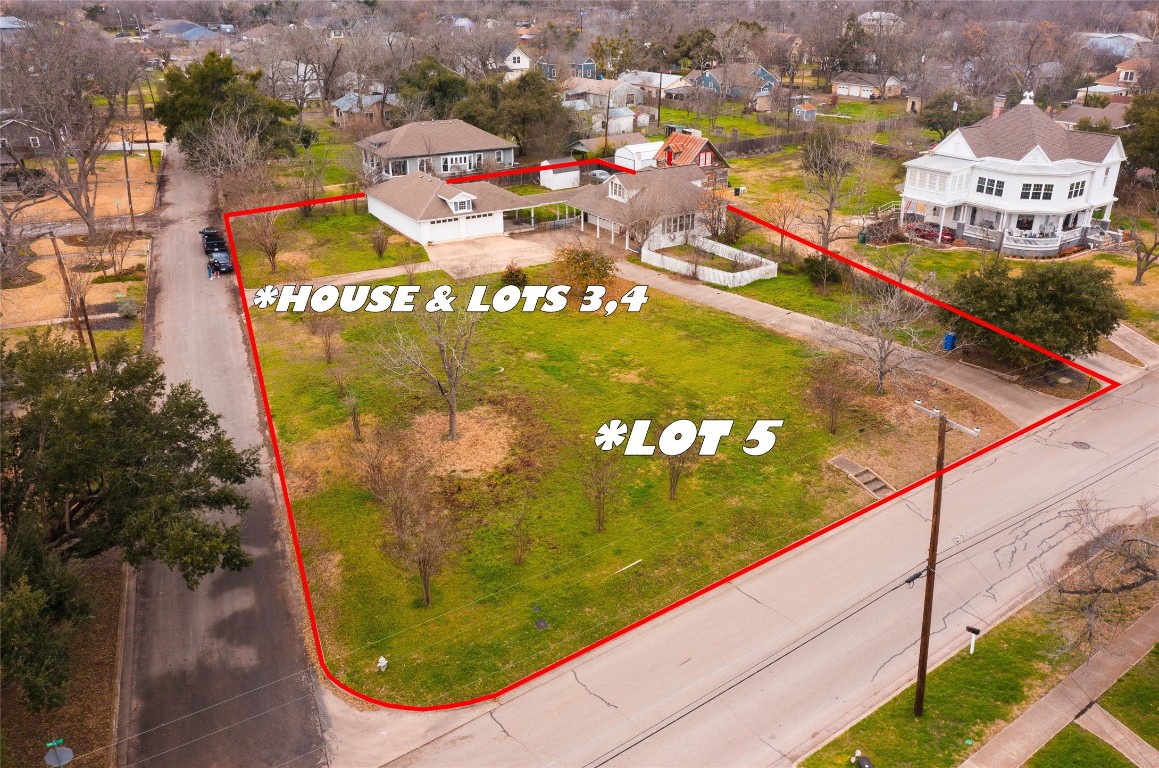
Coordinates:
990 186
1076 189
34 141
705 158
681 223
616 190
1127 76
1025 222
426 165
457 162
398 167
516 60
1106 176
498 155
462 205
631 100
3 142
1037 191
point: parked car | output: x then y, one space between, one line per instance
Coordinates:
212 240
599 176
222 261
927 231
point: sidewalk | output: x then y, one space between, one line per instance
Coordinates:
1022 406
1074 696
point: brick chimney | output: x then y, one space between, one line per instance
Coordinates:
999 105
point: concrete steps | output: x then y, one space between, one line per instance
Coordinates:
863 476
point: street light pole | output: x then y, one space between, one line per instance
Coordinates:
931 563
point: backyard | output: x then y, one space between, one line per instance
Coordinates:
766 176
542 387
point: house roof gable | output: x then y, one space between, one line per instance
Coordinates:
1015 133
686 149
432 137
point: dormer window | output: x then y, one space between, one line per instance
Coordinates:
461 206
616 190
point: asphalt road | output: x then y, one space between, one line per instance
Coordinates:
219 676
763 670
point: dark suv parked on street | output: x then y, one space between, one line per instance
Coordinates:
212 240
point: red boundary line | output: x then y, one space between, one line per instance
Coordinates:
1111 385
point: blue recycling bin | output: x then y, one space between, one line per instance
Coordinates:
950 341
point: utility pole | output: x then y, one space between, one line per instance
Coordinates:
931 564
128 186
72 307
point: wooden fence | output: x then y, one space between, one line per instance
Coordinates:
764 144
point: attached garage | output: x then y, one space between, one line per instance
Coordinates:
429 210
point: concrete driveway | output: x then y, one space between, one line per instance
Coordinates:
487 255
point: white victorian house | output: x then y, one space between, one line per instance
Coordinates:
1017 182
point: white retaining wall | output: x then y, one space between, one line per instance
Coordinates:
765 268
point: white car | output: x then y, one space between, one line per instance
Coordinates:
599 176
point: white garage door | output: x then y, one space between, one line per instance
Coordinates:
842 90
443 230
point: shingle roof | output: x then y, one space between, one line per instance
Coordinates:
660 192
591 85
1014 133
654 79
686 149
11 22
861 78
349 102
1112 113
432 137
615 141
422 197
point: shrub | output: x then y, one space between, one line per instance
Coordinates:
823 270
514 275
585 264
128 308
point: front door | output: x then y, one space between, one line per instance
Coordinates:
973 215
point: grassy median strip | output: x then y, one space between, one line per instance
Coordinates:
1076 747
1134 700
966 698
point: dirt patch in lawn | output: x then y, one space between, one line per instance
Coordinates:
485 436
324 458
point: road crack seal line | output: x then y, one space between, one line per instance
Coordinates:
589 690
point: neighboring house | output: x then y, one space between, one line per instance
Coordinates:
596 144
683 149
1126 74
559 178
597 93
429 210
1017 182
1113 114
262 33
436 147
584 68
877 22
795 44
1122 44
22 140
577 105
658 207
862 85
514 61
805 111
549 70
638 156
463 24
1102 90
350 110
736 81
198 35
652 83
620 120
11 27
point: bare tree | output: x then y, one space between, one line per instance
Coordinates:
379 240
261 230
601 479
830 389
783 211
427 541
314 165
1117 561
713 212
1146 241
325 326
52 78
520 539
434 354
398 477
834 170
17 229
882 327
678 465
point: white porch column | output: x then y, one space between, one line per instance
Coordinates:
1107 212
901 213
941 223
597 227
533 218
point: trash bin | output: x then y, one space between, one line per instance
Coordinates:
950 341
861 237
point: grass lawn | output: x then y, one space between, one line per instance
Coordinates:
557 378
1135 698
859 109
792 289
694 255
965 697
1076 747
1142 300
945 264
325 243
747 126
766 176
528 189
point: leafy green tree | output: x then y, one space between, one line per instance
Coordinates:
1065 307
529 109
695 48
1141 142
938 113
214 86
432 83
115 458
480 107
1095 100
614 55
